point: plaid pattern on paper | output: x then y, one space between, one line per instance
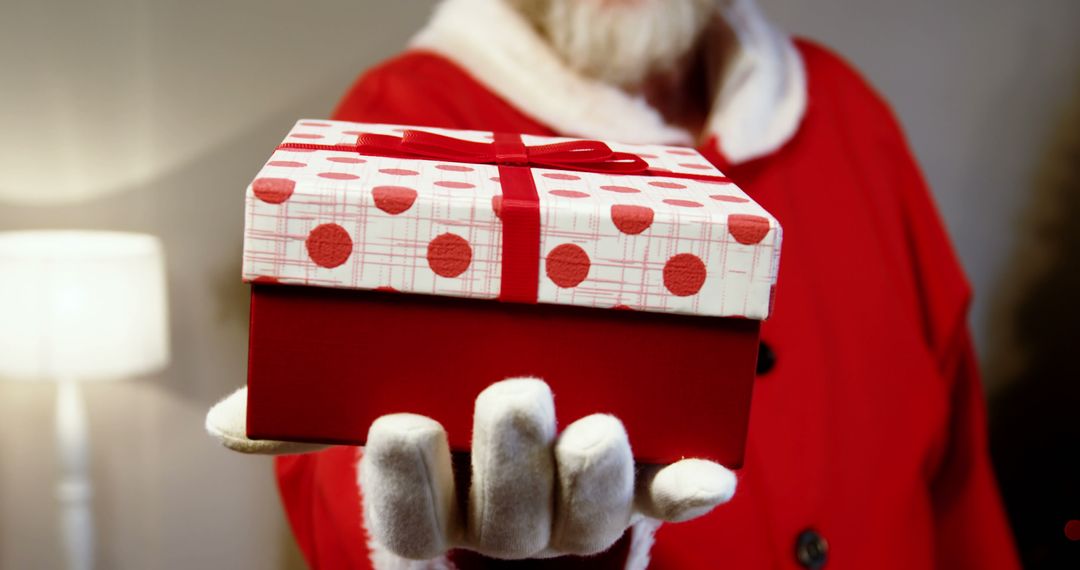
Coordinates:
650 243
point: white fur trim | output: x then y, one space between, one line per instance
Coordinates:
500 49
762 97
758 108
642 538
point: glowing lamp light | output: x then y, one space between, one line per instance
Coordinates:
81 305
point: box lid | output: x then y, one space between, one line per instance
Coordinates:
677 237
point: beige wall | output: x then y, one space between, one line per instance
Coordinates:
151 115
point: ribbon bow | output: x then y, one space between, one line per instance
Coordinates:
505 150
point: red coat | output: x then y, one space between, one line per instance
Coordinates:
869 428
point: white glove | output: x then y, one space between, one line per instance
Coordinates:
533 494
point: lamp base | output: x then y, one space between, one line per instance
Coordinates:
73 490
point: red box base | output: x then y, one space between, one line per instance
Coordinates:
325 363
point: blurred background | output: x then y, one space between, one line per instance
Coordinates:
152 116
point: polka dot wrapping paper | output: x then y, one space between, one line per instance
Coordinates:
648 242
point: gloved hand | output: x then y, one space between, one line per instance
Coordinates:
533 493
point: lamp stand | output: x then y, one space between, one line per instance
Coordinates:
73 490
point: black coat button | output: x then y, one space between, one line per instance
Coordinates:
766 359
811 549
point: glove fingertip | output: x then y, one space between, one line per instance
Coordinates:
404 428
227 419
688 489
710 480
592 431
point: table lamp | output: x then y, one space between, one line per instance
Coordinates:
80 306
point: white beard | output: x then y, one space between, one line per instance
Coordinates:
620 42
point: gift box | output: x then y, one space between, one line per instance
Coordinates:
404 269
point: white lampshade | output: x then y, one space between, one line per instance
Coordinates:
81 305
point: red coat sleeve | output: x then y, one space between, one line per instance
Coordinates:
323 504
970 527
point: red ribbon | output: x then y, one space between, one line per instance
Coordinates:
520 212
591 156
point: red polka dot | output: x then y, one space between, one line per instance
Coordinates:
354 133
495 178
346 159
338 175
393 199
621 189
313 124
286 163
643 155
695 166
449 255
298 150
622 308
452 184
747 229
560 176
681 152
305 136
569 193
329 245
726 198
496 205
265 279
454 167
399 171
631 219
567 265
666 184
684 274
683 203
273 190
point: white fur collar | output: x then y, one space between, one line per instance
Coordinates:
758 108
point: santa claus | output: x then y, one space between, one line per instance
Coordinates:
866 445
